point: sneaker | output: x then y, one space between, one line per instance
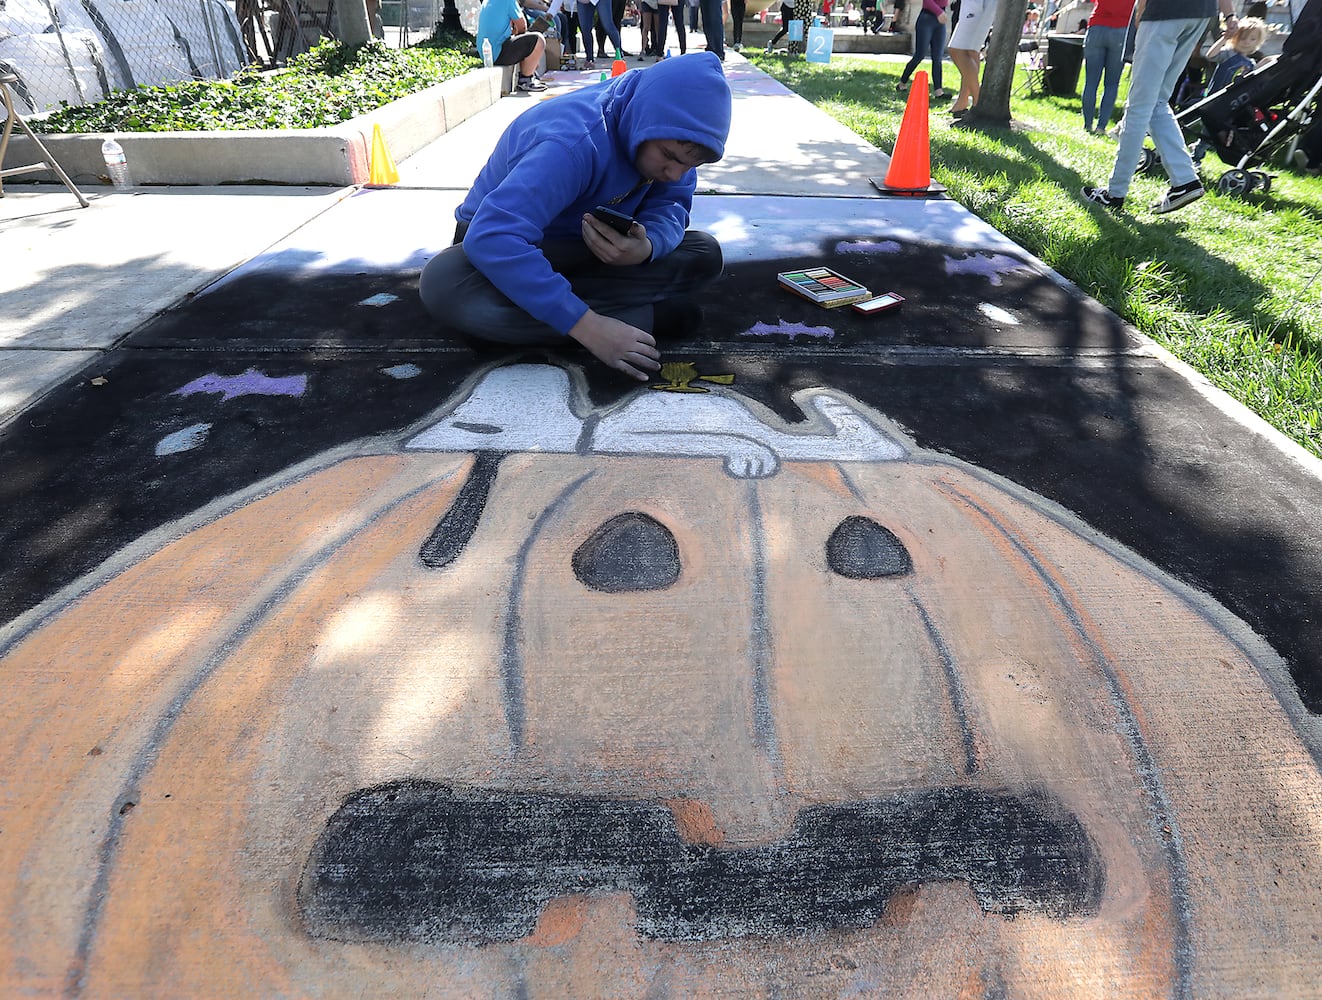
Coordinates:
902 86
589 64
940 94
1104 198
529 84
1178 197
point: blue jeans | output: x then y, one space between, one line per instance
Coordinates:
1103 60
929 38
713 26
1161 50
603 11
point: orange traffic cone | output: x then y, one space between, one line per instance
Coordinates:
382 170
911 165
618 67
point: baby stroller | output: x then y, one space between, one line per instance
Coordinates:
1248 121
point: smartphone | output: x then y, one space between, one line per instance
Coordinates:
880 304
618 221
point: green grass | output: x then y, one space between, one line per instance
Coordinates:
1228 284
328 85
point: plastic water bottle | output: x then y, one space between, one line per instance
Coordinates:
487 59
117 164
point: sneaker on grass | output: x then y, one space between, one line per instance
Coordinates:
1104 198
1178 197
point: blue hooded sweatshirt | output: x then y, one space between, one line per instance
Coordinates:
569 154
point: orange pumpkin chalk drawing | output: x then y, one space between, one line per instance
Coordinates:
666 698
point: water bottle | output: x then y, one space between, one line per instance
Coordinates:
487 59
117 164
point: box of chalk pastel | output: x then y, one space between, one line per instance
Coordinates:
822 285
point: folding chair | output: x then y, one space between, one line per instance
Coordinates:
1033 60
47 161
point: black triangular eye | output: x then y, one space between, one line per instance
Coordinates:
631 551
861 549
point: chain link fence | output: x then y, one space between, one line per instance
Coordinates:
79 51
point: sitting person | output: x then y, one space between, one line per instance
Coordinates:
502 24
531 264
1233 53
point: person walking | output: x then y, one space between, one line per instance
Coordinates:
601 9
672 9
738 9
1104 61
965 48
1167 32
929 39
713 26
786 16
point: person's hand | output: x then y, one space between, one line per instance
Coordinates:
618 345
943 17
610 247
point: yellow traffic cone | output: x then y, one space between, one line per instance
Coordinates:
382 169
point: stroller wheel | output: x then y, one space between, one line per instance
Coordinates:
1262 179
1148 160
1235 182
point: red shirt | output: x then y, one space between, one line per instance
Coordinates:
1112 14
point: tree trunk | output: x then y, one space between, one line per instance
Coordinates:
993 107
355 28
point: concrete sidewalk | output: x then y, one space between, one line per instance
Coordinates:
971 649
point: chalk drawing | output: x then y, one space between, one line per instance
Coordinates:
991 266
403 371
790 330
517 403
648 697
869 247
185 439
680 375
249 383
997 315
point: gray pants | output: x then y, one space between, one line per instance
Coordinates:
461 297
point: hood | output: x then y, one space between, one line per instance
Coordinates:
683 98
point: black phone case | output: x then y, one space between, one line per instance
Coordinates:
618 221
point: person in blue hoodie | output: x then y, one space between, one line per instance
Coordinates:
531 264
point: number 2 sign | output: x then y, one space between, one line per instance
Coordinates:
820 41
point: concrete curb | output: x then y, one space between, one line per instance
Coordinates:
336 156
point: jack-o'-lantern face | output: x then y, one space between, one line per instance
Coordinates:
670 699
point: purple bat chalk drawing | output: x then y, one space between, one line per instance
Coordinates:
790 330
990 265
250 383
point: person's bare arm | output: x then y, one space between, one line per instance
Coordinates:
519 26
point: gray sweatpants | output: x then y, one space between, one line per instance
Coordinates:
461 297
